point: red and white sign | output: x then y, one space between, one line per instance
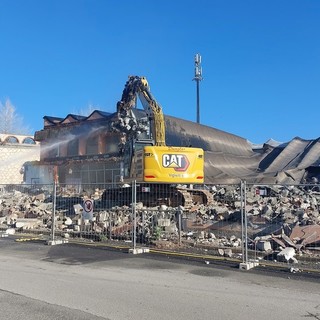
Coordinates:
88 209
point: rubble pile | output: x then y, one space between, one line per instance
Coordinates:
23 210
277 204
278 218
282 221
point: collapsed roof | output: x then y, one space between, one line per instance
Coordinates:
230 158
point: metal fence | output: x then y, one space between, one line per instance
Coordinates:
283 223
245 222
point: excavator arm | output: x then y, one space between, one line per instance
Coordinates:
157 162
138 87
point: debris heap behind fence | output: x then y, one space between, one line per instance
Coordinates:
275 223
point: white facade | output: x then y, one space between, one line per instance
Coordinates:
15 150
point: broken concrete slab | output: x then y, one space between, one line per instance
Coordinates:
10 231
287 255
264 246
306 235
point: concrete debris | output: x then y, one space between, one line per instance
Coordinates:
283 220
228 253
294 270
264 246
27 223
10 231
287 255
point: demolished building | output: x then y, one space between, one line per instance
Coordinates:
86 150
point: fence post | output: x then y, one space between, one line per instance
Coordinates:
245 220
110 226
53 218
243 239
134 199
179 225
244 224
142 240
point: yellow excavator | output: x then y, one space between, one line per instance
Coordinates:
149 159
171 171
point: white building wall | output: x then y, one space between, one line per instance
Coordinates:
12 158
38 174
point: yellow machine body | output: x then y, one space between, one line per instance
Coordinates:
173 164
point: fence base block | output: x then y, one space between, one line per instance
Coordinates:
55 242
248 265
139 250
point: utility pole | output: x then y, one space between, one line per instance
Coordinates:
198 78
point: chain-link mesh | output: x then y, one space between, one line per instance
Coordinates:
267 223
284 224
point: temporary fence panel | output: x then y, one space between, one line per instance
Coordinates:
269 223
212 223
284 224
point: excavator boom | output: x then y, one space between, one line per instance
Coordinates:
139 87
155 162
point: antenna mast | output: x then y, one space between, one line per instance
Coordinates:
198 78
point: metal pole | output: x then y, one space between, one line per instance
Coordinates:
53 224
242 220
134 198
179 225
110 226
245 220
198 78
143 228
198 101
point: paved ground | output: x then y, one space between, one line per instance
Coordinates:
83 282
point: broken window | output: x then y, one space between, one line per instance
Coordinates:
73 148
92 146
112 143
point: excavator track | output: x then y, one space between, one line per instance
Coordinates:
158 194
187 198
195 196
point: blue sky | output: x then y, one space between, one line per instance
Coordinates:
260 60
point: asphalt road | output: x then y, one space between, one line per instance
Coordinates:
83 282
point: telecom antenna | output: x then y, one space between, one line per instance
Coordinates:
198 78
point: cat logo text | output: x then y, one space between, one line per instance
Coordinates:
179 162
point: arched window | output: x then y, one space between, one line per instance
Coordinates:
11 139
28 140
